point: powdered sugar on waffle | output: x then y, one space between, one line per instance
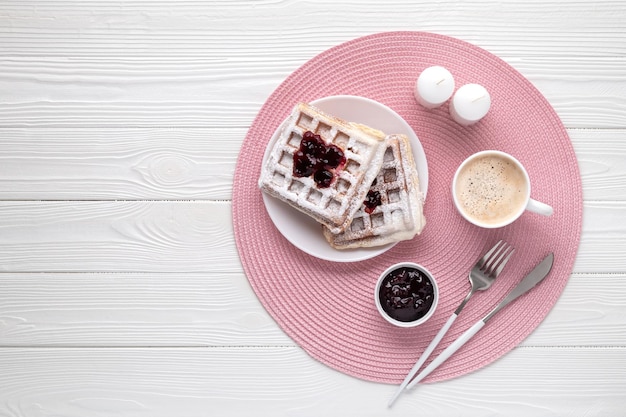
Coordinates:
334 206
399 216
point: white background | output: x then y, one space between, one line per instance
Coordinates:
121 290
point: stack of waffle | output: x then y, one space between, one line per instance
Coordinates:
360 184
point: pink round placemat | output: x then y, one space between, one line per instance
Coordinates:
328 308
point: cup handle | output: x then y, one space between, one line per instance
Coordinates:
539 207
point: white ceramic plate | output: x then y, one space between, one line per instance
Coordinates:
304 232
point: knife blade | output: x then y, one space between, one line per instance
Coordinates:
533 278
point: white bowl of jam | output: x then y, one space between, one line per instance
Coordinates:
406 294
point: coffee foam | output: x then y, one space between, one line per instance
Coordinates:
491 189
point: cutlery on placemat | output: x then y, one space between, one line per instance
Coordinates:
481 276
533 278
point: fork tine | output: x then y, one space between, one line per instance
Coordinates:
484 260
497 257
504 262
498 260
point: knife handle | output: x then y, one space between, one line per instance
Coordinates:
433 344
456 345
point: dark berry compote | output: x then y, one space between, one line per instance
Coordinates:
406 294
317 158
372 200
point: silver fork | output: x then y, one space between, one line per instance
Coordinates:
482 275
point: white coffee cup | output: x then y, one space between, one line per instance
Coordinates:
491 189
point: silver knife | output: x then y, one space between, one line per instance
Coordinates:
533 278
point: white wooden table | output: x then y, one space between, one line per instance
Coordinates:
121 290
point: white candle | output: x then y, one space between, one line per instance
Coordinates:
470 103
434 87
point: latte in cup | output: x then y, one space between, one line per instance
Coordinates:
491 189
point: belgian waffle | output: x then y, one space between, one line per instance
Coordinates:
335 205
398 214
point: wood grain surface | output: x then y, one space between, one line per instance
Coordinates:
121 290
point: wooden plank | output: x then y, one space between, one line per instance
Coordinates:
117 236
588 313
586 92
101 28
136 309
286 382
601 154
194 236
198 163
118 164
603 233
221 309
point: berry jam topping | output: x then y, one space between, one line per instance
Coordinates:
323 178
303 165
372 200
406 294
333 157
317 158
312 144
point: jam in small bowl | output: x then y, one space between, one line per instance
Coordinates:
406 294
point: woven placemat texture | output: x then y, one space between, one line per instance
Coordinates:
328 308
